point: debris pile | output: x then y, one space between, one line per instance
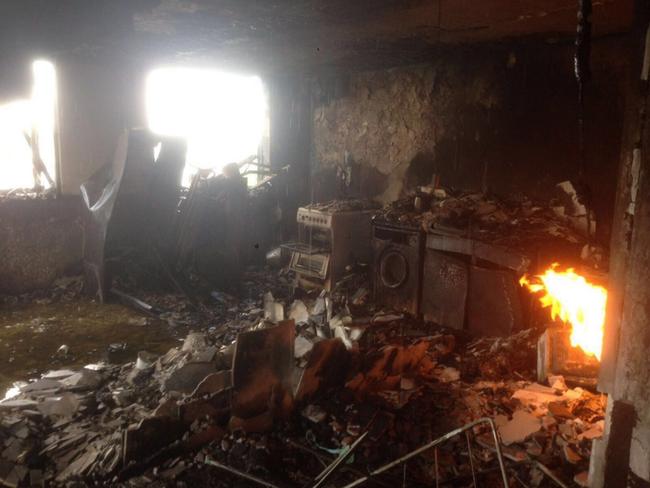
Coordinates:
498 357
325 396
519 225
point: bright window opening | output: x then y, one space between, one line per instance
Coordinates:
27 150
223 117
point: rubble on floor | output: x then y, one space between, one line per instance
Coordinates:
250 399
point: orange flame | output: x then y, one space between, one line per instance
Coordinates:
575 301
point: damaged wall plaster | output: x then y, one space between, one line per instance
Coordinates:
497 117
39 241
384 122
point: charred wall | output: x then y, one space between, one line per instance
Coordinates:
40 239
495 117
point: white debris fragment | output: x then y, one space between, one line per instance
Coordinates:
40 385
447 374
298 312
65 405
522 425
594 432
319 305
85 378
386 318
58 374
340 321
302 346
18 403
557 382
536 394
341 333
314 413
273 311
194 342
356 333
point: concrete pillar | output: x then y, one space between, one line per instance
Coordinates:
97 101
290 114
622 457
640 452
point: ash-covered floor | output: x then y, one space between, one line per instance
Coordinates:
277 387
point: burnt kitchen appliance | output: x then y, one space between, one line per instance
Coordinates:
471 284
444 289
397 265
331 237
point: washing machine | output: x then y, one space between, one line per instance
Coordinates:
397 273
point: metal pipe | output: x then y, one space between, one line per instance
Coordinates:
471 459
331 469
550 474
435 443
322 457
241 474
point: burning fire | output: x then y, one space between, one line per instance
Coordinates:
575 301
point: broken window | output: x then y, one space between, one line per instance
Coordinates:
223 117
27 147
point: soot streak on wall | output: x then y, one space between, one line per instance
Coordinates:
500 117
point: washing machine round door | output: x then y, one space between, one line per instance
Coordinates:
393 269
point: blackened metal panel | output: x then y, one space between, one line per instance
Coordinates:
495 254
493 304
263 370
444 289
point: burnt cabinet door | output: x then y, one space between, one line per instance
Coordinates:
444 290
493 306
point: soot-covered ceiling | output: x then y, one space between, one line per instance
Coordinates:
288 33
